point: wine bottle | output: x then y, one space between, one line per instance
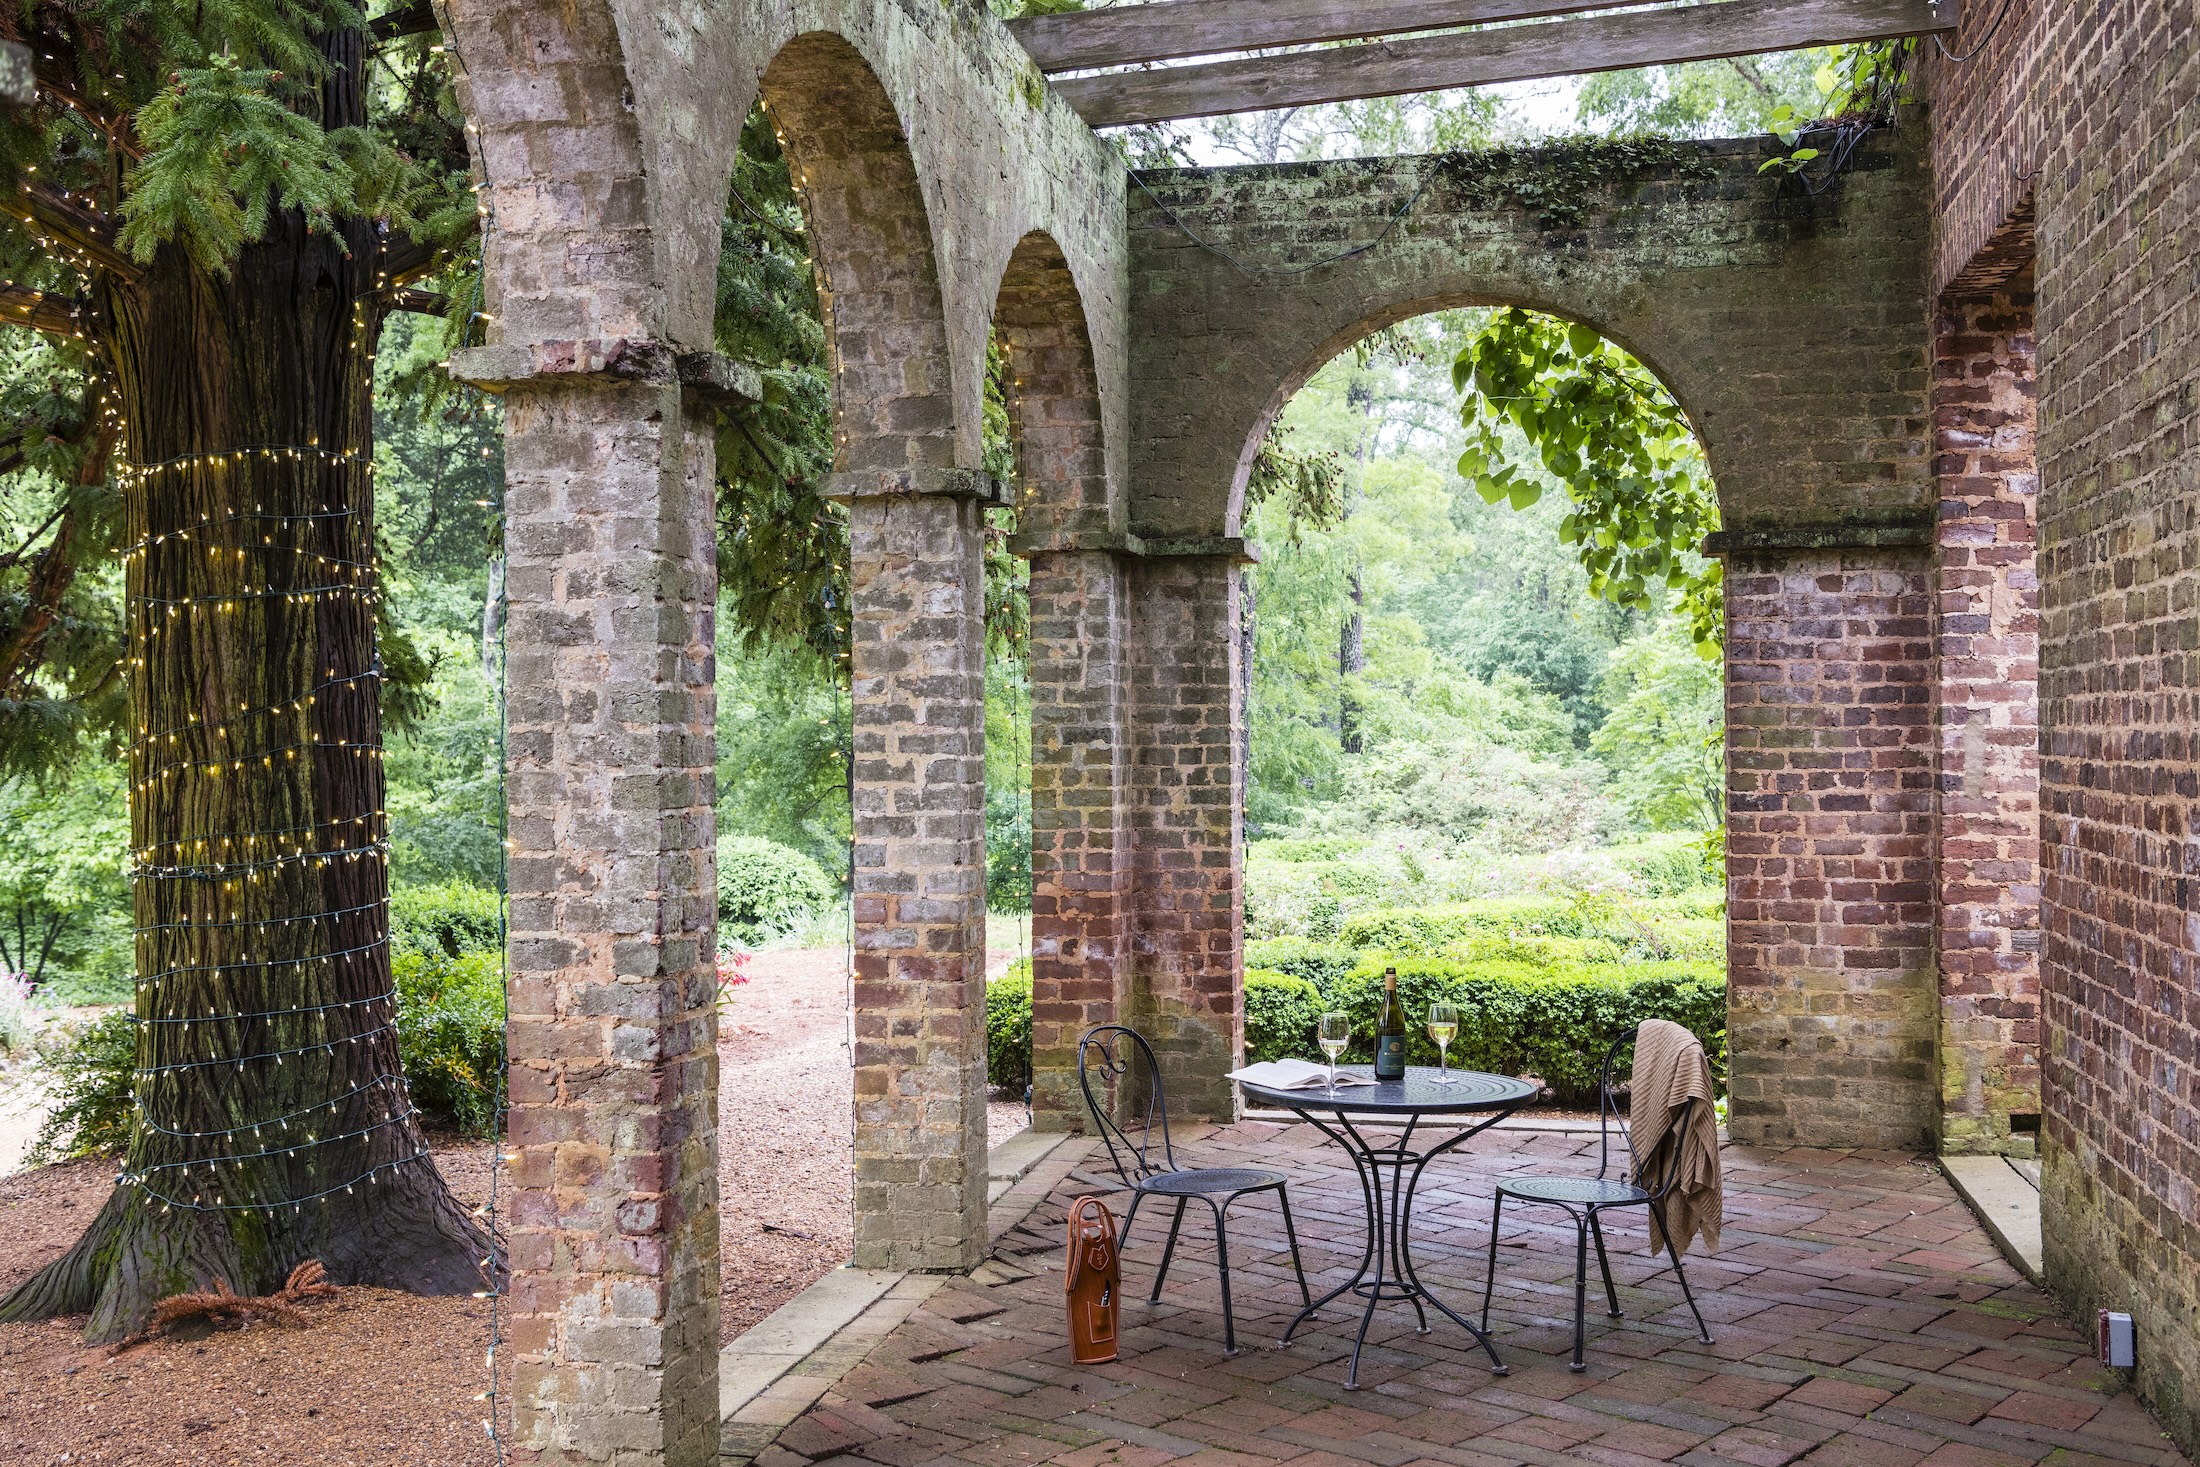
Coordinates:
1390 1032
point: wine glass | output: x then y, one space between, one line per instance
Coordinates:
1443 1024
1335 1033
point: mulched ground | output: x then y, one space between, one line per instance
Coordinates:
386 1378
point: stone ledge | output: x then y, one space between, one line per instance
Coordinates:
1139 547
920 479
620 359
1895 533
2007 1201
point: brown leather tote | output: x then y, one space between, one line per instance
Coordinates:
1092 1281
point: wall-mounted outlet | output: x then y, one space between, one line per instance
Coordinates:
2115 1340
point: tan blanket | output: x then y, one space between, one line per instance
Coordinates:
1670 1068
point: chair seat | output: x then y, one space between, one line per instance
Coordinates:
1202 1182
1589 1191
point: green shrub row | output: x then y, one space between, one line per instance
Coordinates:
1514 1019
1685 922
1280 1014
447 966
1008 1027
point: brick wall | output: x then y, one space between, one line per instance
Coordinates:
2092 106
1184 809
1829 847
917 565
613 1220
1986 650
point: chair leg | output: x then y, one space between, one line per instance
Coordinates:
1604 1265
1581 1292
1123 1239
1167 1252
1658 1223
1222 1262
1283 1197
1489 1276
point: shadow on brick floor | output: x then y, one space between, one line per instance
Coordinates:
1861 1319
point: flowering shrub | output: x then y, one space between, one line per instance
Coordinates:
733 971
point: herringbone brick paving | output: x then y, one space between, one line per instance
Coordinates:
1861 1319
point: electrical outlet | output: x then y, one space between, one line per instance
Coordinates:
2115 1339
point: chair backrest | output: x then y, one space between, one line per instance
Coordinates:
1663 1168
1119 1061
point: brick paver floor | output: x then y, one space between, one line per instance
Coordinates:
1861 1319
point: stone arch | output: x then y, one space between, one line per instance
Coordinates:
1391 314
1056 418
878 274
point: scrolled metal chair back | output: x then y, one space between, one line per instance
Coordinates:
1663 1170
1118 1060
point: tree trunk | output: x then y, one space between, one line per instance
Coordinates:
1351 662
273 1123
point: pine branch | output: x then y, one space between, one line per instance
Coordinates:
78 228
36 309
117 128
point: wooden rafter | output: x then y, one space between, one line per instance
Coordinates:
1509 53
1174 29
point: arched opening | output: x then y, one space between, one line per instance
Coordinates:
1073 754
1482 742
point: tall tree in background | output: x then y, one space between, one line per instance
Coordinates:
223 202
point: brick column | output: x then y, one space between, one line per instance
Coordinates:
1986 641
613 1228
1187 915
917 567
1829 847
1079 844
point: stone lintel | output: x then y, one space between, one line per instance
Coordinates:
1917 531
1118 542
715 378
919 479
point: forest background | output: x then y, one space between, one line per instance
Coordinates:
1439 701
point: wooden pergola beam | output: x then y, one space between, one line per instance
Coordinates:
1510 53
1175 29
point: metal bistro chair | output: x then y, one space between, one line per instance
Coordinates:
1105 1054
1583 1198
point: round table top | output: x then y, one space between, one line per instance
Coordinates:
1416 1094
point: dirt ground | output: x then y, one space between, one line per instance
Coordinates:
386 1378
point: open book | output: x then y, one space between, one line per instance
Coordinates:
1292 1074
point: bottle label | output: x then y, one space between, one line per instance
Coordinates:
1390 1057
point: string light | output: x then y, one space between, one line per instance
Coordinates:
238 1062
284 1121
295 1204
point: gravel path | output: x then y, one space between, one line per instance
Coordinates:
384 1378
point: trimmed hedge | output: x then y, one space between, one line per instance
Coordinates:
1280 1014
1008 1027
1686 926
1515 1019
1318 963
446 921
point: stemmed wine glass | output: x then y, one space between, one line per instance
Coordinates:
1443 1023
1335 1033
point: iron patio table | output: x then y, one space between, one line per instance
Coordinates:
1390 1216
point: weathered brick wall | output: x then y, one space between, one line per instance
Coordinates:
1986 675
1832 1014
919 695
2092 105
927 149
1185 810
1792 329
613 1220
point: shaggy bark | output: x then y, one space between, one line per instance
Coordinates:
274 1123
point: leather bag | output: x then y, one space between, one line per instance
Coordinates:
1093 1282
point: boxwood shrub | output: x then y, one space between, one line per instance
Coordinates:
1280 1014
1518 1019
1008 1028
1319 963
450 1034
